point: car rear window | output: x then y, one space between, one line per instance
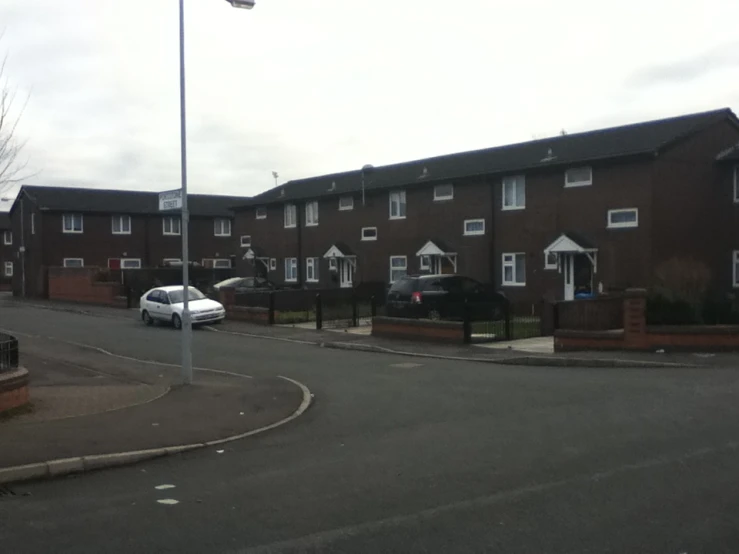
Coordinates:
433 285
403 286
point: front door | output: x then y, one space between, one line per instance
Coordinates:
346 273
568 269
435 265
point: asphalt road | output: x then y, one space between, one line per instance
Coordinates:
409 455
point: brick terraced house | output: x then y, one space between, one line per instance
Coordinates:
75 227
6 252
548 218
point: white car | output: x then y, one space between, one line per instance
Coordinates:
166 304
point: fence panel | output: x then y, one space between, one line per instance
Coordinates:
490 322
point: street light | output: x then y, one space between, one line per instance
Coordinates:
186 316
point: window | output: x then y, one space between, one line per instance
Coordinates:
398 267
346 203
443 192
311 270
8 269
474 227
72 223
579 177
550 260
332 264
623 218
130 263
397 204
369 233
171 225
291 269
7 237
121 224
245 241
273 264
291 215
514 269
311 214
261 212
73 262
222 227
222 264
171 261
425 262
514 193
735 269
33 223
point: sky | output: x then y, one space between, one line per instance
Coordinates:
311 87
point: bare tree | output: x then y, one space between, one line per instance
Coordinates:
11 166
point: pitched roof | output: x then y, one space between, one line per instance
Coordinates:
124 201
4 220
645 138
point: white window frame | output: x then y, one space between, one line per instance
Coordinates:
221 263
7 238
260 212
398 268
8 269
65 262
136 264
573 184
734 270
513 180
630 224
425 262
547 263
33 223
222 227
120 219
366 238
291 216
311 270
245 241
443 198
71 229
346 208
475 233
509 261
273 264
171 261
333 264
398 197
311 213
736 183
291 270
171 219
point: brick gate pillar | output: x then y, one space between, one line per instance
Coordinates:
635 319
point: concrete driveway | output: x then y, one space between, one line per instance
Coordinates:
400 454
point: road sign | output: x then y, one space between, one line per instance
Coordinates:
170 200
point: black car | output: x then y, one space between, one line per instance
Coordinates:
245 284
444 297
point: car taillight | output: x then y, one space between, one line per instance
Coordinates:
416 298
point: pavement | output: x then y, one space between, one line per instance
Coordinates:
404 454
97 409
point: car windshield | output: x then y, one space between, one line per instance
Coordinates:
176 296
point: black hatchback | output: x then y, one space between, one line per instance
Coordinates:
444 297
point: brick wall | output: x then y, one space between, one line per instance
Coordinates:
13 389
80 285
449 332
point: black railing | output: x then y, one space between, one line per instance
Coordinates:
9 353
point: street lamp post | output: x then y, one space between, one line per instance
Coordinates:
184 227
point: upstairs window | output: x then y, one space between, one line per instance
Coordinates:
443 192
261 212
7 238
72 223
171 225
291 216
397 204
346 203
623 218
73 262
514 193
579 177
121 224
474 227
369 233
222 227
311 214
246 241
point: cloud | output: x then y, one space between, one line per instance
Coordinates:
684 70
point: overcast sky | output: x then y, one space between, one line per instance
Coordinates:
308 87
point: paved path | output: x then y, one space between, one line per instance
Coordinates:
402 454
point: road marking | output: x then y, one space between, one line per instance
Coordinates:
406 365
163 487
168 501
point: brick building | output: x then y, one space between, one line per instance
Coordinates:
74 227
6 252
577 213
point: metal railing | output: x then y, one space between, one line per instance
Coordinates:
9 353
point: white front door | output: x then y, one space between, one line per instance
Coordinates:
435 265
568 268
346 273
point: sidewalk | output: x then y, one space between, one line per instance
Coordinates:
86 404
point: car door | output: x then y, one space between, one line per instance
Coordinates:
478 301
165 307
453 302
152 304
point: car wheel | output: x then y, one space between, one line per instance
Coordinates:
177 321
434 315
146 318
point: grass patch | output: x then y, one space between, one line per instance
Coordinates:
521 328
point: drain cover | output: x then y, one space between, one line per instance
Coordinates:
5 492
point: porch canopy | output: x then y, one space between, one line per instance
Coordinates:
339 250
256 254
570 243
438 249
